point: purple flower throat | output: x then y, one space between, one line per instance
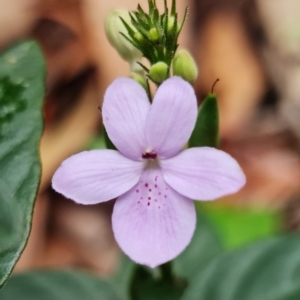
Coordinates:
149 155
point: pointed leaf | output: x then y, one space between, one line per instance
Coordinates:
206 131
22 72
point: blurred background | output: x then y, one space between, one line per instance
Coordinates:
252 46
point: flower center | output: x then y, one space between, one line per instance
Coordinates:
149 154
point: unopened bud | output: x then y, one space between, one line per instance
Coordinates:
139 79
159 71
138 36
113 27
185 66
153 34
171 24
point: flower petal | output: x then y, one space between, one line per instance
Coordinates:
124 113
172 117
96 176
203 173
152 223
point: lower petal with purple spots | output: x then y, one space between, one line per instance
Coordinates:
153 223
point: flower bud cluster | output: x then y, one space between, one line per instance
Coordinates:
154 36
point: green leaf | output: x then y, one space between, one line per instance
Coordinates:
22 71
206 131
269 270
58 285
204 247
240 226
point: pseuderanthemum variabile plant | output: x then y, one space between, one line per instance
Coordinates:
155 181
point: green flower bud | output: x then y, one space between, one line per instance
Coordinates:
139 79
171 24
158 72
153 34
139 36
185 66
113 27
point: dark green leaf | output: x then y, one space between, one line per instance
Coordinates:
11 101
206 131
269 270
22 73
58 285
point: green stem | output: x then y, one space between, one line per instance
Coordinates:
167 272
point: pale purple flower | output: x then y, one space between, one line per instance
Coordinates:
154 217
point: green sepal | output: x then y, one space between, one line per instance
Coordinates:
142 20
143 67
173 8
206 131
184 19
142 12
